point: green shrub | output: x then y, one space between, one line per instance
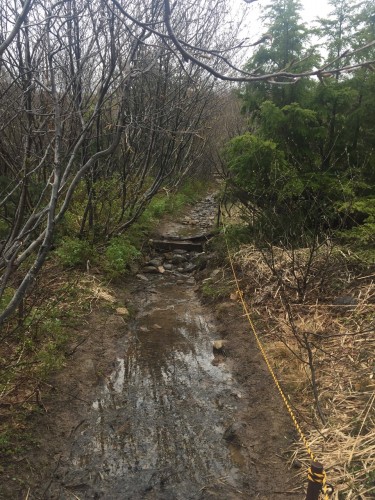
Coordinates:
74 252
119 254
157 207
193 189
212 290
361 236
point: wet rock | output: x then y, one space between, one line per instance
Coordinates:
183 244
215 273
155 262
218 346
168 267
178 259
150 270
122 311
180 251
201 261
237 395
297 464
141 277
190 267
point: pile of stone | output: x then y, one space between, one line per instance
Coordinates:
177 260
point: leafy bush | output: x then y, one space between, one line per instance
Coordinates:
74 252
360 222
260 171
157 207
119 254
212 290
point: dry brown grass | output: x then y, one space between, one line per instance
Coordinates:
342 341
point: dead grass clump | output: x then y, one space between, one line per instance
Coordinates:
293 376
327 303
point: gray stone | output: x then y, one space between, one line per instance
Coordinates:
189 268
178 259
346 300
150 270
141 277
155 262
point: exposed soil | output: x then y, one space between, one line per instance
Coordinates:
149 407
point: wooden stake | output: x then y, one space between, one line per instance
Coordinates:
314 488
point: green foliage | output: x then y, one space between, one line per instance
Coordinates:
51 339
295 129
212 290
118 255
74 252
361 221
309 162
286 50
164 203
259 168
6 297
235 235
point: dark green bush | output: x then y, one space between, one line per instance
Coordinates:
74 252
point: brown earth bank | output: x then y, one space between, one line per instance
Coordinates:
163 396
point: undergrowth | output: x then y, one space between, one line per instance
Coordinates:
314 310
114 256
34 346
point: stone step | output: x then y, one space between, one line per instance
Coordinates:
198 238
170 245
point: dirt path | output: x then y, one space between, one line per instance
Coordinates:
144 409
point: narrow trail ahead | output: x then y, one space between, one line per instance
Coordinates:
165 418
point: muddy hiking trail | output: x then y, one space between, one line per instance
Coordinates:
145 408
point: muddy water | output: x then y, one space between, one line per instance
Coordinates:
156 424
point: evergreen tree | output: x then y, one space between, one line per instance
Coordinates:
284 49
321 133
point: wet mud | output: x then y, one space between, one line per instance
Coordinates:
152 407
157 423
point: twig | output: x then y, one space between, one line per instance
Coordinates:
372 399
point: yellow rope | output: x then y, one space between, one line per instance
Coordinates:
321 478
